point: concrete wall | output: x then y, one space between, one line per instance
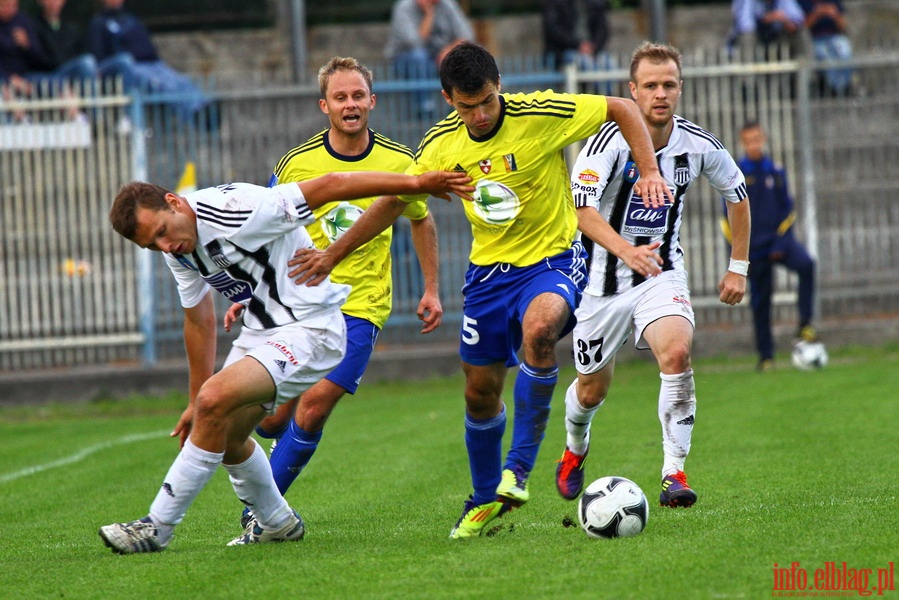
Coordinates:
239 58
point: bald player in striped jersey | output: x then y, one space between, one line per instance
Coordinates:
348 145
526 272
637 280
237 239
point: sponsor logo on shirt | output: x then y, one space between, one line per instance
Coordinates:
511 165
232 289
588 176
339 219
495 203
642 220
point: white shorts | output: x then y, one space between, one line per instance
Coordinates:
295 356
604 322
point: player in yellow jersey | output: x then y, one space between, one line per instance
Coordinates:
527 271
348 145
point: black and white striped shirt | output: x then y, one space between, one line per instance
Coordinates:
604 175
246 235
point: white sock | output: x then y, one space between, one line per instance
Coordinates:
577 421
191 471
254 485
677 409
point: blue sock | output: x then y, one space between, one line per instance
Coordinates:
533 394
484 440
292 454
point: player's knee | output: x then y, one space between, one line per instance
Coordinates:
482 402
209 406
539 345
676 358
590 396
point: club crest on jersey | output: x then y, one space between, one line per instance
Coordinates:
511 165
215 252
588 177
495 203
485 165
631 174
681 170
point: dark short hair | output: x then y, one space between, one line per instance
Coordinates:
654 53
750 124
468 68
131 197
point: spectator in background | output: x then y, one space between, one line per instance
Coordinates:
24 63
771 242
421 34
769 25
571 35
122 45
62 40
826 22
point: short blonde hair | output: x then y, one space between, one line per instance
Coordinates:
342 63
655 53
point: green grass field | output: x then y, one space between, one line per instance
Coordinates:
789 467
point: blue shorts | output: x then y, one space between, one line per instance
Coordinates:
497 296
361 336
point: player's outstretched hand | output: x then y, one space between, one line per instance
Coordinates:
430 312
644 259
233 314
732 288
654 191
310 266
443 183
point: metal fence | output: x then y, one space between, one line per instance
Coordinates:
73 293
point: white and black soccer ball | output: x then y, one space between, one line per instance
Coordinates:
808 356
613 507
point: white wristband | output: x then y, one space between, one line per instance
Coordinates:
740 267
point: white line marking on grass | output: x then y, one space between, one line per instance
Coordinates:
81 455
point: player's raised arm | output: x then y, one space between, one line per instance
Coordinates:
312 266
651 186
364 184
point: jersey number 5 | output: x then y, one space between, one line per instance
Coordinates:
470 335
589 351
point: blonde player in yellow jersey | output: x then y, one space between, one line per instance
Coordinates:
527 271
348 145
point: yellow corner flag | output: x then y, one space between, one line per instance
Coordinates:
188 181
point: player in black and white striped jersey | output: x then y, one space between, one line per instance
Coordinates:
637 281
238 238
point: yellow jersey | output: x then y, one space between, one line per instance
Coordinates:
523 209
368 269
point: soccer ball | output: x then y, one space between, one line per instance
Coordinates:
613 507
808 356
